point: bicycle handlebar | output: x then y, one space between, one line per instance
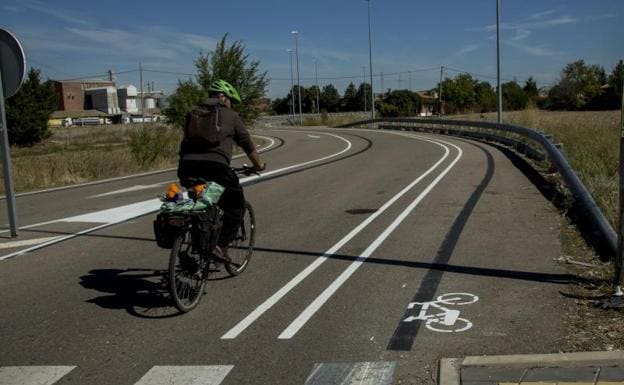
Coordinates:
245 169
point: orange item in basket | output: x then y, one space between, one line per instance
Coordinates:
197 189
172 191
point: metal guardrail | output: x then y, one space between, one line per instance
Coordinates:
515 136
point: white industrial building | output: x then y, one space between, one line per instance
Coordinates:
128 99
102 99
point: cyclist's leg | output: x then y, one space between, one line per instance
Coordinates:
233 204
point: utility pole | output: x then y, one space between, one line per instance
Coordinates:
399 81
410 79
296 35
318 108
292 86
370 63
619 260
499 117
383 90
364 86
141 81
440 91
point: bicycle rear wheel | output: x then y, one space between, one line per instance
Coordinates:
186 273
241 248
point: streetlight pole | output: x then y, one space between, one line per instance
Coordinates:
292 86
296 36
440 92
499 117
370 63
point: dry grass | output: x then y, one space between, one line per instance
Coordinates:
80 154
590 142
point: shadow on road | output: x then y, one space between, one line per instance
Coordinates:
141 292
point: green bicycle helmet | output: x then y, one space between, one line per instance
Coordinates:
226 88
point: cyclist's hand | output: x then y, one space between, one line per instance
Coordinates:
261 168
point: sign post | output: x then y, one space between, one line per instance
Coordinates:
619 258
12 67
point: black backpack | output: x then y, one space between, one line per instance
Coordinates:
203 129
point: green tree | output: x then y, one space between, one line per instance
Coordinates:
400 103
231 63
29 110
364 93
616 79
578 85
458 94
349 100
514 97
485 97
330 98
187 95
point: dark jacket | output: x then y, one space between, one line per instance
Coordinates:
234 131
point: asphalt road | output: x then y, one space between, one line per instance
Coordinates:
364 239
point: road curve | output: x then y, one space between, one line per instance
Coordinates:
377 254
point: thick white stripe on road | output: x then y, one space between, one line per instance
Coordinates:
360 373
32 375
120 214
185 375
266 305
305 316
27 242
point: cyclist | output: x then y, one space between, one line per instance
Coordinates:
212 163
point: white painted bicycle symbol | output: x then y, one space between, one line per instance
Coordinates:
448 321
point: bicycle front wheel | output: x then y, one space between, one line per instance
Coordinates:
241 248
186 273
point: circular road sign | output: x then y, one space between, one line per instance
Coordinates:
12 63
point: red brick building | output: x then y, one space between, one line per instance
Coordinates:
70 93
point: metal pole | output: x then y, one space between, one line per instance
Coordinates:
440 92
296 35
382 85
499 117
141 81
410 79
292 87
318 106
370 63
619 260
364 86
6 163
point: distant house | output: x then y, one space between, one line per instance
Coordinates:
70 93
429 103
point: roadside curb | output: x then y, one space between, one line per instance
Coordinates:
449 371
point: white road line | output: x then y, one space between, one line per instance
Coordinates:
305 316
27 242
33 375
120 214
266 305
185 375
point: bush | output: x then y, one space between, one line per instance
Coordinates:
151 144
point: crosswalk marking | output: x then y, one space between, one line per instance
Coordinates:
32 375
185 375
360 373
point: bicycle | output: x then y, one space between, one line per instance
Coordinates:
192 254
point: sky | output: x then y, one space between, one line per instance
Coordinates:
411 39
